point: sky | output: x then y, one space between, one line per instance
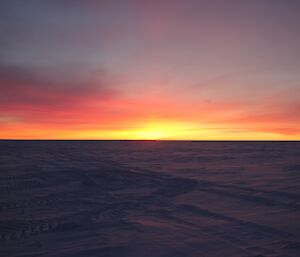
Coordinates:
140 69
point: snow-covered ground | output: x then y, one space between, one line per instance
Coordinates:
149 198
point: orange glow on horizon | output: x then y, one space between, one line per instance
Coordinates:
153 130
120 119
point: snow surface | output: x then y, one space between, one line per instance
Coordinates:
149 198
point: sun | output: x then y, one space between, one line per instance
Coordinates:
151 134
159 130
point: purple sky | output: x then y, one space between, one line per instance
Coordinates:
230 66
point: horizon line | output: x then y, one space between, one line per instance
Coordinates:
156 140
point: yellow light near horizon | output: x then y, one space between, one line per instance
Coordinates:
159 130
147 130
151 135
